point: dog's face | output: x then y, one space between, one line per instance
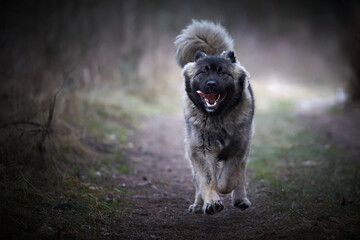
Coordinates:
215 83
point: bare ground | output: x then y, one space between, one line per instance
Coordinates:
163 190
342 128
155 196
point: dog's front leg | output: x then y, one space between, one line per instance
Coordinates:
204 171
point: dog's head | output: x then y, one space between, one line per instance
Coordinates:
215 83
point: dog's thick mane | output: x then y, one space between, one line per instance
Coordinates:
206 36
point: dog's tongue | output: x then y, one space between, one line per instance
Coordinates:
211 97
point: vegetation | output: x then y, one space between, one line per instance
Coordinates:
66 189
302 177
76 80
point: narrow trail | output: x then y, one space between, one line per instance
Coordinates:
163 191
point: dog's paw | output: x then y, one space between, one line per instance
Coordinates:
242 203
195 208
213 206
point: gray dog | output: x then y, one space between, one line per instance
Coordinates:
219 109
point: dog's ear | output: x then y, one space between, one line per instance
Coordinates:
199 55
229 55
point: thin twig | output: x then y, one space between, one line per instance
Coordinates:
51 112
66 75
45 129
21 123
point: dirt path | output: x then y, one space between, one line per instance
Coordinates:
164 190
161 191
342 128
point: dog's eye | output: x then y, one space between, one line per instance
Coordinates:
221 71
204 70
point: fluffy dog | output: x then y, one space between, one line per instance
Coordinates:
219 108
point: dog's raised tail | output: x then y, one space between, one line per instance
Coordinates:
206 36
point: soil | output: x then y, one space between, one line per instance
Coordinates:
163 190
341 129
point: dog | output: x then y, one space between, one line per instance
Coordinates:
219 109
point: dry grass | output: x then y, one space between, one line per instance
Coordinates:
58 190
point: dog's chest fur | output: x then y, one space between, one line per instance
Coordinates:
222 136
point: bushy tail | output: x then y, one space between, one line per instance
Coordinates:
205 36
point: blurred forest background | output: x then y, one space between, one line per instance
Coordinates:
71 49
86 44
66 65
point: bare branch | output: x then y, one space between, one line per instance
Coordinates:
51 112
45 128
20 123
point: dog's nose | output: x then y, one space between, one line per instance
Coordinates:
211 83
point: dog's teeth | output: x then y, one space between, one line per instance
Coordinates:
207 102
211 105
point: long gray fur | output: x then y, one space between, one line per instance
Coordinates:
218 135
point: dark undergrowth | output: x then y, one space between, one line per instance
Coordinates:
66 188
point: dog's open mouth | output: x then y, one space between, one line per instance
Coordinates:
211 100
